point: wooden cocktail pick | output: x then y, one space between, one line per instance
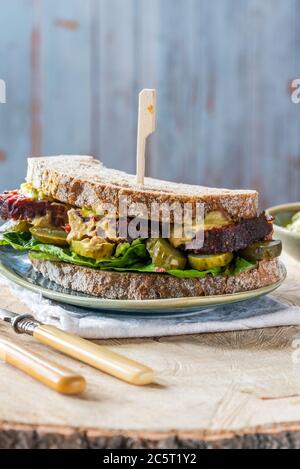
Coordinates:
146 127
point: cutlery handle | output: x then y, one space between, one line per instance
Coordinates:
95 355
54 376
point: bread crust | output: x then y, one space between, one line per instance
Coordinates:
83 181
140 286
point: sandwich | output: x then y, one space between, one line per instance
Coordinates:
68 215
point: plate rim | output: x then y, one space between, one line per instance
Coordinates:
154 304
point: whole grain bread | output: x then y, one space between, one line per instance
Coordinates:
83 181
140 286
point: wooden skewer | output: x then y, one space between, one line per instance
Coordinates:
146 127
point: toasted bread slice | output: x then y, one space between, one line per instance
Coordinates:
140 286
83 181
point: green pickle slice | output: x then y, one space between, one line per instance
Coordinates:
262 250
164 255
50 236
209 261
18 226
94 248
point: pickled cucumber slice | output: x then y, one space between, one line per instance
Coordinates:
21 225
96 248
164 255
208 261
50 236
215 219
262 250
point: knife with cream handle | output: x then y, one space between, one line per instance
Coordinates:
55 376
88 352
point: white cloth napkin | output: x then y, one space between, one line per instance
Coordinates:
262 312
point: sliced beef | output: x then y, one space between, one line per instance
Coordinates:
59 214
232 238
16 206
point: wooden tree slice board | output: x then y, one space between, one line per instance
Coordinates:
234 389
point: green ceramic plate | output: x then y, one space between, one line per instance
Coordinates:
16 267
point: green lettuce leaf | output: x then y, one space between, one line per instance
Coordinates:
136 253
128 257
242 265
192 273
148 268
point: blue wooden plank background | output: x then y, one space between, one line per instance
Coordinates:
73 70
